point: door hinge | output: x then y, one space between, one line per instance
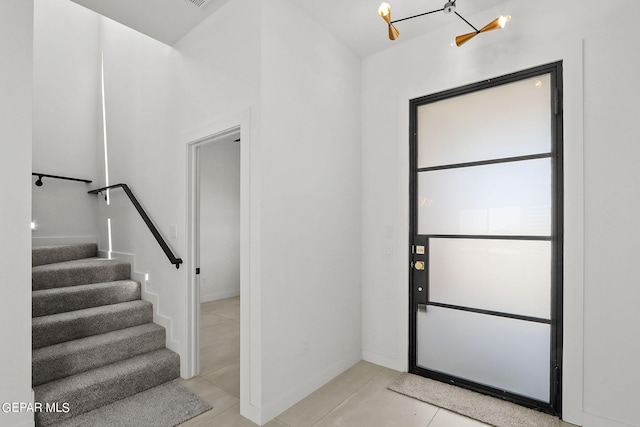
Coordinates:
198 270
556 101
557 379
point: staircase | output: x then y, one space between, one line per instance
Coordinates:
94 340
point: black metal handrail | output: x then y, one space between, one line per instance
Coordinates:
44 175
146 219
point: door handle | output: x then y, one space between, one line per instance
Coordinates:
419 265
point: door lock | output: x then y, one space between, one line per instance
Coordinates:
419 265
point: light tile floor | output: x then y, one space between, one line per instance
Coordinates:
357 398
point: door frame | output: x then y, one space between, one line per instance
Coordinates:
556 72
194 229
250 329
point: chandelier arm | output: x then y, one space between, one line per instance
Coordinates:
421 14
468 23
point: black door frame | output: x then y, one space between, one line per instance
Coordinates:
420 296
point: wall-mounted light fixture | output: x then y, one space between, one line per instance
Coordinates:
450 7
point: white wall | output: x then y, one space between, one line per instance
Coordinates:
16 79
612 233
159 99
601 234
305 180
65 119
139 87
219 219
310 186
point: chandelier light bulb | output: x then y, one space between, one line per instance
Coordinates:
385 12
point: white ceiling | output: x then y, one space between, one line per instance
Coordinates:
355 22
164 20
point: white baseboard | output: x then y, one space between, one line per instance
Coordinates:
220 295
62 240
386 361
102 254
592 420
321 377
147 295
251 412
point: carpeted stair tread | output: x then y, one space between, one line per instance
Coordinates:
57 328
93 389
60 253
93 337
59 300
73 357
79 272
169 404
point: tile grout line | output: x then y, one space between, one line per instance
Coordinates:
201 375
217 415
434 415
281 422
348 398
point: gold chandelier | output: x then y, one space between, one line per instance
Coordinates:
450 7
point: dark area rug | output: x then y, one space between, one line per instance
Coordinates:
166 405
486 409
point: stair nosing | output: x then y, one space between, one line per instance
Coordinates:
88 382
42 356
45 302
79 272
42 255
79 288
97 309
43 327
58 348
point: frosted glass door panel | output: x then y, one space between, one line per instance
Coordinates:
511 198
509 354
504 121
507 276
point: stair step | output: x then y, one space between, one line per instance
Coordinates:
60 300
92 389
73 357
79 272
72 325
61 253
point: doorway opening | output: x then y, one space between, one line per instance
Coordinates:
218 259
214 232
243 311
486 237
